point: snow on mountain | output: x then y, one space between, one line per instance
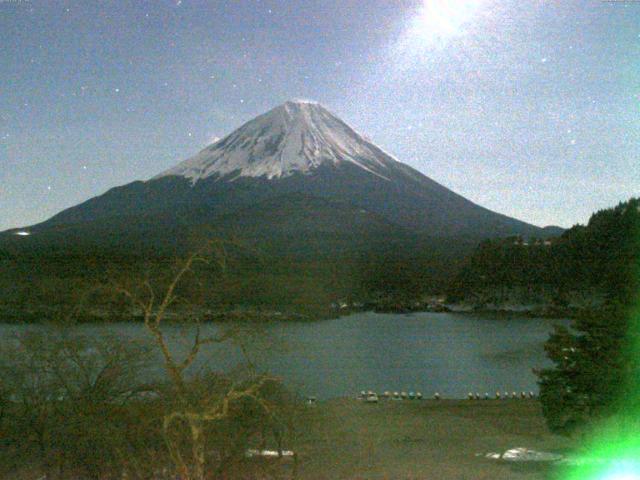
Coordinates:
314 156
297 136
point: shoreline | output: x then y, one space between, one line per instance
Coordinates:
44 316
100 320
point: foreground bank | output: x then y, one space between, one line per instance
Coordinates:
445 439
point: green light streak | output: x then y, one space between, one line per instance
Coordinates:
612 447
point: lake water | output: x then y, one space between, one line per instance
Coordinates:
428 352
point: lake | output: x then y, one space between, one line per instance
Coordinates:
449 353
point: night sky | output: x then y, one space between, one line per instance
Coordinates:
529 108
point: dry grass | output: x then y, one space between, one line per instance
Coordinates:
346 439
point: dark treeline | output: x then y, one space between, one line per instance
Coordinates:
298 274
307 274
595 260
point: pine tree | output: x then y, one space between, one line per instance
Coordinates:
590 363
597 362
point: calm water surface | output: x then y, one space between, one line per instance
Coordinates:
428 352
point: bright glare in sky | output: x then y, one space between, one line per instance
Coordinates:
439 19
431 27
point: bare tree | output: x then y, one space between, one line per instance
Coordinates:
67 397
194 409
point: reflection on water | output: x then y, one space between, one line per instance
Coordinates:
428 352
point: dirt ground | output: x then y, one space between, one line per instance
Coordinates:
440 440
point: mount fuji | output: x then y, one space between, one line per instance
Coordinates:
317 212
297 168
295 137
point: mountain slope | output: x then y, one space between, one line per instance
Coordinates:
298 147
323 213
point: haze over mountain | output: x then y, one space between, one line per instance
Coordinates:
297 155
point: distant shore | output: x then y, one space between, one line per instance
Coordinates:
47 315
519 310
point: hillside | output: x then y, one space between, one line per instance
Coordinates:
295 148
585 267
293 253
318 214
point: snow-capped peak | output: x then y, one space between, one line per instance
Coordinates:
297 136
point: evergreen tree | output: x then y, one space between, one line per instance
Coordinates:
597 362
597 257
590 363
